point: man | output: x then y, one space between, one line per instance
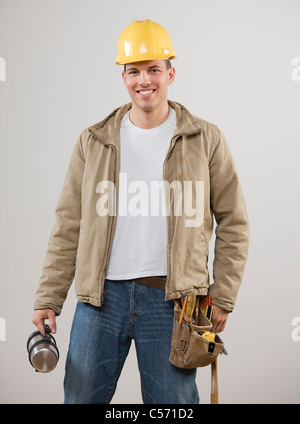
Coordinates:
130 256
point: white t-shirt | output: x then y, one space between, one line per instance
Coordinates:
140 239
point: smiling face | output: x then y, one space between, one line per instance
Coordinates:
147 83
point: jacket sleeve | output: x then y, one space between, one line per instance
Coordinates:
59 264
232 230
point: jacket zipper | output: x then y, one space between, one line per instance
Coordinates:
112 219
173 142
172 145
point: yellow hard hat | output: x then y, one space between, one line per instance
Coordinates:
144 40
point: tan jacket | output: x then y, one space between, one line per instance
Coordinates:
81 240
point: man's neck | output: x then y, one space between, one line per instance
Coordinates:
149 119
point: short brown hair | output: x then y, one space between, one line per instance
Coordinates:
167 62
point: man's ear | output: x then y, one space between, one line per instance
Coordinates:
172 73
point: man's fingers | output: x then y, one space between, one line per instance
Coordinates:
39 323
52 321
219 319
39 318
219 327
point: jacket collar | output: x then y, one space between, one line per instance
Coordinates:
107 131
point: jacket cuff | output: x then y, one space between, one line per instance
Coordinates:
219 301
55 308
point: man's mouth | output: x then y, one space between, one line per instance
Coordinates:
147 92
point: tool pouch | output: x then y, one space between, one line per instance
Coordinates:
189 349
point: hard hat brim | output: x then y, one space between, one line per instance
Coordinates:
134 59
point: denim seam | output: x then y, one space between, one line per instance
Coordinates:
117 374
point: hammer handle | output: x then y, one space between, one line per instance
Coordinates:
214 393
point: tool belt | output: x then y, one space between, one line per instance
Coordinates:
189 349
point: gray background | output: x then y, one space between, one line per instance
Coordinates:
234 68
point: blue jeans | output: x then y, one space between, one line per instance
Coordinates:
101 338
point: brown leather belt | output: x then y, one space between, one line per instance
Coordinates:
156 282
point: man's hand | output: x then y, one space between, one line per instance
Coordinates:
219 319
40 315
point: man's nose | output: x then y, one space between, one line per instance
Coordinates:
144 78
